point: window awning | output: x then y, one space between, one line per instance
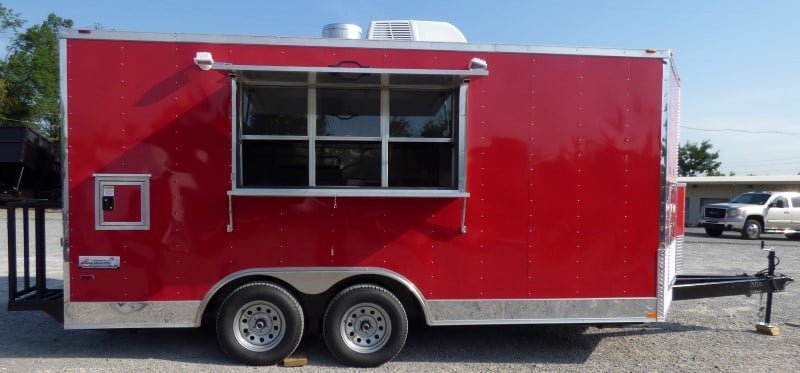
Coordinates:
475 67
346 70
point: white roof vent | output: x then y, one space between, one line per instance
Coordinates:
410 30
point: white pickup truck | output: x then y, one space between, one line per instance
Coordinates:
753 213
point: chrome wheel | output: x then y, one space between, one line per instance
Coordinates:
365 327
259 326
259 323
751 229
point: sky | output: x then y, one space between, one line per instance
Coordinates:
738 59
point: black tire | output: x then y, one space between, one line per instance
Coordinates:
714 231
752 229
259 324
365 326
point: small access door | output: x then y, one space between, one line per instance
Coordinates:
122 201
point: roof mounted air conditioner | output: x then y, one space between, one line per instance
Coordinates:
410 30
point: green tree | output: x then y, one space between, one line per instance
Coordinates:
30 77
698 160
9 22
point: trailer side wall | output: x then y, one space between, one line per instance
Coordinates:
563 167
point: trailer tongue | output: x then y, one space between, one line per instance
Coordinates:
708 286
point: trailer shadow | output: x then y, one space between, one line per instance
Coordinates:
517 344
37 335
567 344
530 344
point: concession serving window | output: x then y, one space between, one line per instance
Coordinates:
348 131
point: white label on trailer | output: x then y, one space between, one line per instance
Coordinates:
108 190
98 262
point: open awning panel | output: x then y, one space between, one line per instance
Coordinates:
348 69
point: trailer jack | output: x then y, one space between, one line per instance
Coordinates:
766 327
709 286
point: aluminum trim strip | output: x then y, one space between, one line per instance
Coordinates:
311 126
666 250
665 159
129 326
235 131
660 292
421 139
384 124
115 315
540 311
679 255
63 91
275 137
322 138
462 136
544 321
666 279
360 43
225 66
124 177
341 192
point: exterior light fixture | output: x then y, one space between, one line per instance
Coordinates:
204 60
478 64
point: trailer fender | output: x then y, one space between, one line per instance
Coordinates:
312 281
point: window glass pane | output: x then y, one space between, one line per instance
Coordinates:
421 113
421 165
275 111
274 163
348 112
348 163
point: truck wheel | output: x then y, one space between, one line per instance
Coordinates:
365 326
714 232
751 229
259 324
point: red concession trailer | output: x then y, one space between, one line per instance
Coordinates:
271 185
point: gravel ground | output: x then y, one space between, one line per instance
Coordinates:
701 335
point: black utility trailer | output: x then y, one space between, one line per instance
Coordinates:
29 165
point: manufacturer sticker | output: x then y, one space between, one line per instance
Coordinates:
98 262
108 190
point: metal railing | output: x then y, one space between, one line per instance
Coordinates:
30 292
